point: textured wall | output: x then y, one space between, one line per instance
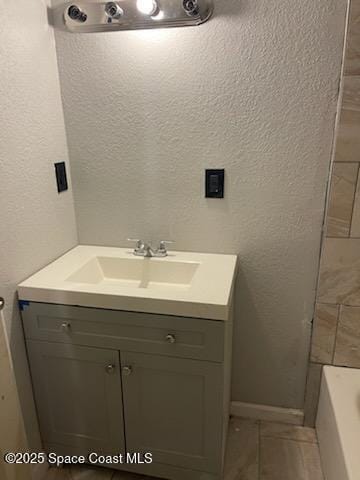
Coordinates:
254 90
37 224
336 336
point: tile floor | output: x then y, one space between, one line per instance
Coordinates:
255 451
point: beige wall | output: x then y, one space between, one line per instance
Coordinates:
36 224
336 335
253 90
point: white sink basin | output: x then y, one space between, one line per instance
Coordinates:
136 272
184 284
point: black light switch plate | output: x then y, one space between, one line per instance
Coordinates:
61 180
214 183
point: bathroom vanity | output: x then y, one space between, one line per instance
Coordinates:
131 355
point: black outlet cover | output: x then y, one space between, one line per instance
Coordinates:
214 183
61 180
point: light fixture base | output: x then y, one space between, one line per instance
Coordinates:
168 13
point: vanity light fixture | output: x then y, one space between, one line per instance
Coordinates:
88 16
147 7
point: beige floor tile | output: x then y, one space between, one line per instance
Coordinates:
342 193
289 460
355 223
324 331
351 94
54 473
347 349
242 453
352 63
131 476
348 138
90 473
339 272
281 452
288 432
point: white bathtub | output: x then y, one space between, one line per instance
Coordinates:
338 423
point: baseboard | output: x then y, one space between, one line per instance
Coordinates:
266 412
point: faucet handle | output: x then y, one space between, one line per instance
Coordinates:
139 242
133 240
162 245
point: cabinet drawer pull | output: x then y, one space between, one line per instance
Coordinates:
66 327
110 369
127 371
170 338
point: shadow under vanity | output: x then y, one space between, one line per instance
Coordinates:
119 368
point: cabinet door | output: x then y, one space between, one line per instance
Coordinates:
78 397
173 409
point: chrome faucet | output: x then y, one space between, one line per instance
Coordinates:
144 249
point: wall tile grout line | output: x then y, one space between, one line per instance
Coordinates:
336 333
342 238
328 304
354 201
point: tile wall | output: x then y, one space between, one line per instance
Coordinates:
336 333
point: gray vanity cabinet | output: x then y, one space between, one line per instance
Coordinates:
171 409
110 382
78 396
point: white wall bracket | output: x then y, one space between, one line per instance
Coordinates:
89 16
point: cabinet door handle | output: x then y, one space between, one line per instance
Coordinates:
110 369
66 327
170 338
127 370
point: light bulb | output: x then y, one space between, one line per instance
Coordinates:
159 16
148 7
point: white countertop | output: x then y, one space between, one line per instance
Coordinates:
207 294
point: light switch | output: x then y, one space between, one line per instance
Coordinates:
214 183
61 179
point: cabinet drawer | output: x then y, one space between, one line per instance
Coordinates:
142 332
